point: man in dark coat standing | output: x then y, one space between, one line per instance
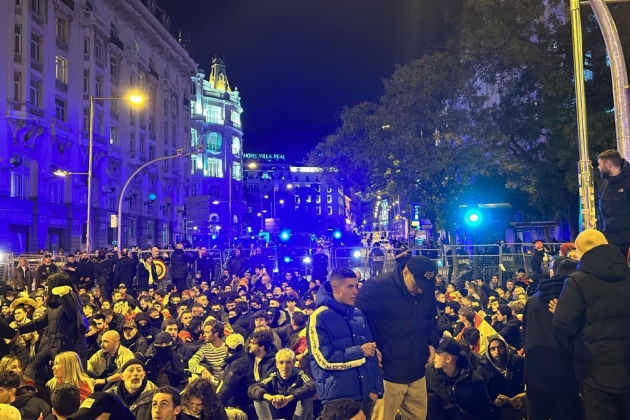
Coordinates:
552 388
179 266
614 199
593 314
401 311
125 269
7 333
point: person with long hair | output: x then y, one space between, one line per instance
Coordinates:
66 326
14 364
201 401
67 369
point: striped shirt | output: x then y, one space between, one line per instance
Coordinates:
213 356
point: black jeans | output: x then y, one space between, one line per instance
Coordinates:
436 410
600 405
563 404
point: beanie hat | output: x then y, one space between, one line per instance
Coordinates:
234 340
566 247
131 362
587 240
8 412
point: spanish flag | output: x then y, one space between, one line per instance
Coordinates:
485 331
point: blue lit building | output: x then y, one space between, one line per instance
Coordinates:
214 202
55 54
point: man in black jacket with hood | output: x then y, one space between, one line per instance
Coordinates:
179 266
125 269
164 366
401 312
614 199
237 376
593 314
552 388
456 392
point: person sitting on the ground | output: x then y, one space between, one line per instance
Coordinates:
135 390
285 394
201 401
65 401
343 409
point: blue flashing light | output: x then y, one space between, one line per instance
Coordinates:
357 254
214 237
473 218
285 235
336 234
287 259
306 260
152 197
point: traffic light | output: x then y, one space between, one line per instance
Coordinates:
473 218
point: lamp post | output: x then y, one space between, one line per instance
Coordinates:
124 188
135 99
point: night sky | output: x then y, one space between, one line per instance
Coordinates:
298 62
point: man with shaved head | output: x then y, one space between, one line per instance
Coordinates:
104 365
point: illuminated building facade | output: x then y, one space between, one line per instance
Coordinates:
56 53
215 203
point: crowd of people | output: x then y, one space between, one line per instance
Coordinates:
111 338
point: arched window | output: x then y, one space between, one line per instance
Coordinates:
194 139
143 81
20 177
236 146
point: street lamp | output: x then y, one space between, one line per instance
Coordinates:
62 174
133 98
252 165
178 153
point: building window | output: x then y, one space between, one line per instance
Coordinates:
17 86
35 7
86 81
142 120
132 142
17 39
193 137
214 168
214 114
318 199
174 106
98 123
151 152
236 118
330 212
132 223
318 211
174 135
55 188
98 51
236 146
142 142
60 109
35 45
152 98
329 199
195 162
113 32
142 81
98 82
113 136
237 171
150 229
34 92
113 68
152 126
61 30
20 181
86 46
214 142
132 117
192 191
165 239
132 80
165 133
86 119
213 192
329 189
61 69
165 107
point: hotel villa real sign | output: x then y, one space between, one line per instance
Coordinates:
264 156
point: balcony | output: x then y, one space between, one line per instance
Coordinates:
113 39
34 110
61 86
37 18
115 151
68 3
61 44
62 126
154 74
37 65
91 17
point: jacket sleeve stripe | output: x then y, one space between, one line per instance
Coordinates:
316 352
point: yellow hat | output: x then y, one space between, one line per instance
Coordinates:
588 240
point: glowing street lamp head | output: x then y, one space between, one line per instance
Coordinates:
289 186
60 173
252 165
281 201
215 202
135 99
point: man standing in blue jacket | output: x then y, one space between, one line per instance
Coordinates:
401 310
343 355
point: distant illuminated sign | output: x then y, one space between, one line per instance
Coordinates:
307 169
264 156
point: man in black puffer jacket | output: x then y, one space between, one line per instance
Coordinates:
552 388
23 398
401 312
593 314
125 269
614 199
179 266
237 376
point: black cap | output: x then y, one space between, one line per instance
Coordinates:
449 345
423 270
163 339
100 403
